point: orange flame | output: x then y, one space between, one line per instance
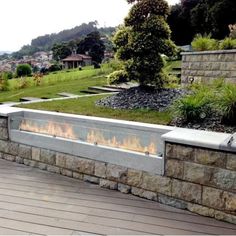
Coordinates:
50 128
130 143
66 131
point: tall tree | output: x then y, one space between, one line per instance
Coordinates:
180 22
61 51
93 45
191 17
142 40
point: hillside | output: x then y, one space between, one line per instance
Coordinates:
4 52
45 42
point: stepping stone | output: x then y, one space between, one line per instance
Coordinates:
89 91
105 89
122 86
29 99
64 94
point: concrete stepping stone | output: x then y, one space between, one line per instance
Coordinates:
29 99
64 94
105 89
90 91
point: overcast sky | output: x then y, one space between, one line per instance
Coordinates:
23 20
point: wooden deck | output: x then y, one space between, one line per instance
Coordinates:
38 202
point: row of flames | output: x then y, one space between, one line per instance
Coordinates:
96 137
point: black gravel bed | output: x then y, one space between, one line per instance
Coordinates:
137 98
213 123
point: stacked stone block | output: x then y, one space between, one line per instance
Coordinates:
208 66
204 178
200 180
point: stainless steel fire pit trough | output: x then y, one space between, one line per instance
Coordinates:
131 144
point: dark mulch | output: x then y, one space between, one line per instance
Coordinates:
137 98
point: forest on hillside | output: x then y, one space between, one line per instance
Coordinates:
46 42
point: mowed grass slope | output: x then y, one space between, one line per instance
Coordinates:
72 81
86 106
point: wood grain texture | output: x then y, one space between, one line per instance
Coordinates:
37 202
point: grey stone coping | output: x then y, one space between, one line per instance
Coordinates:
198 138
6 110
210 52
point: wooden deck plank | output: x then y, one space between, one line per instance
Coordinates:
36 228
70 183
31 199
103 225
7 231
134 201
138 220
72 203
83 198
75 213
62 226
116 192
16 185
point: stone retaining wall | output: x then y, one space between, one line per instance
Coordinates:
198 179
209 65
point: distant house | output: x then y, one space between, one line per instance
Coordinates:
108 55
76 60
41 56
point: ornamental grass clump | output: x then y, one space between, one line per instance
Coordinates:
227 43
217 98
226 103
194 107
204 43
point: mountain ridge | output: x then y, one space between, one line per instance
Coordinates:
45 42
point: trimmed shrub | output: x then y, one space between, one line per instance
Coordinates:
204 43
227 43
55 67
143 39
23 70
118 77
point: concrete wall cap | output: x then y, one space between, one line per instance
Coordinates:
199 138
209 52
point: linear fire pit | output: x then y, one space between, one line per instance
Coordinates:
129 144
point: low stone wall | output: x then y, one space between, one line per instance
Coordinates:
198 179
208 65
204 178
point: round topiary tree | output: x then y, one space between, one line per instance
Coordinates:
23 70
141 41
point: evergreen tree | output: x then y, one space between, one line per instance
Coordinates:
141 41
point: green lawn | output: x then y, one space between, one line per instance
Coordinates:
86 106
72 81
170 65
